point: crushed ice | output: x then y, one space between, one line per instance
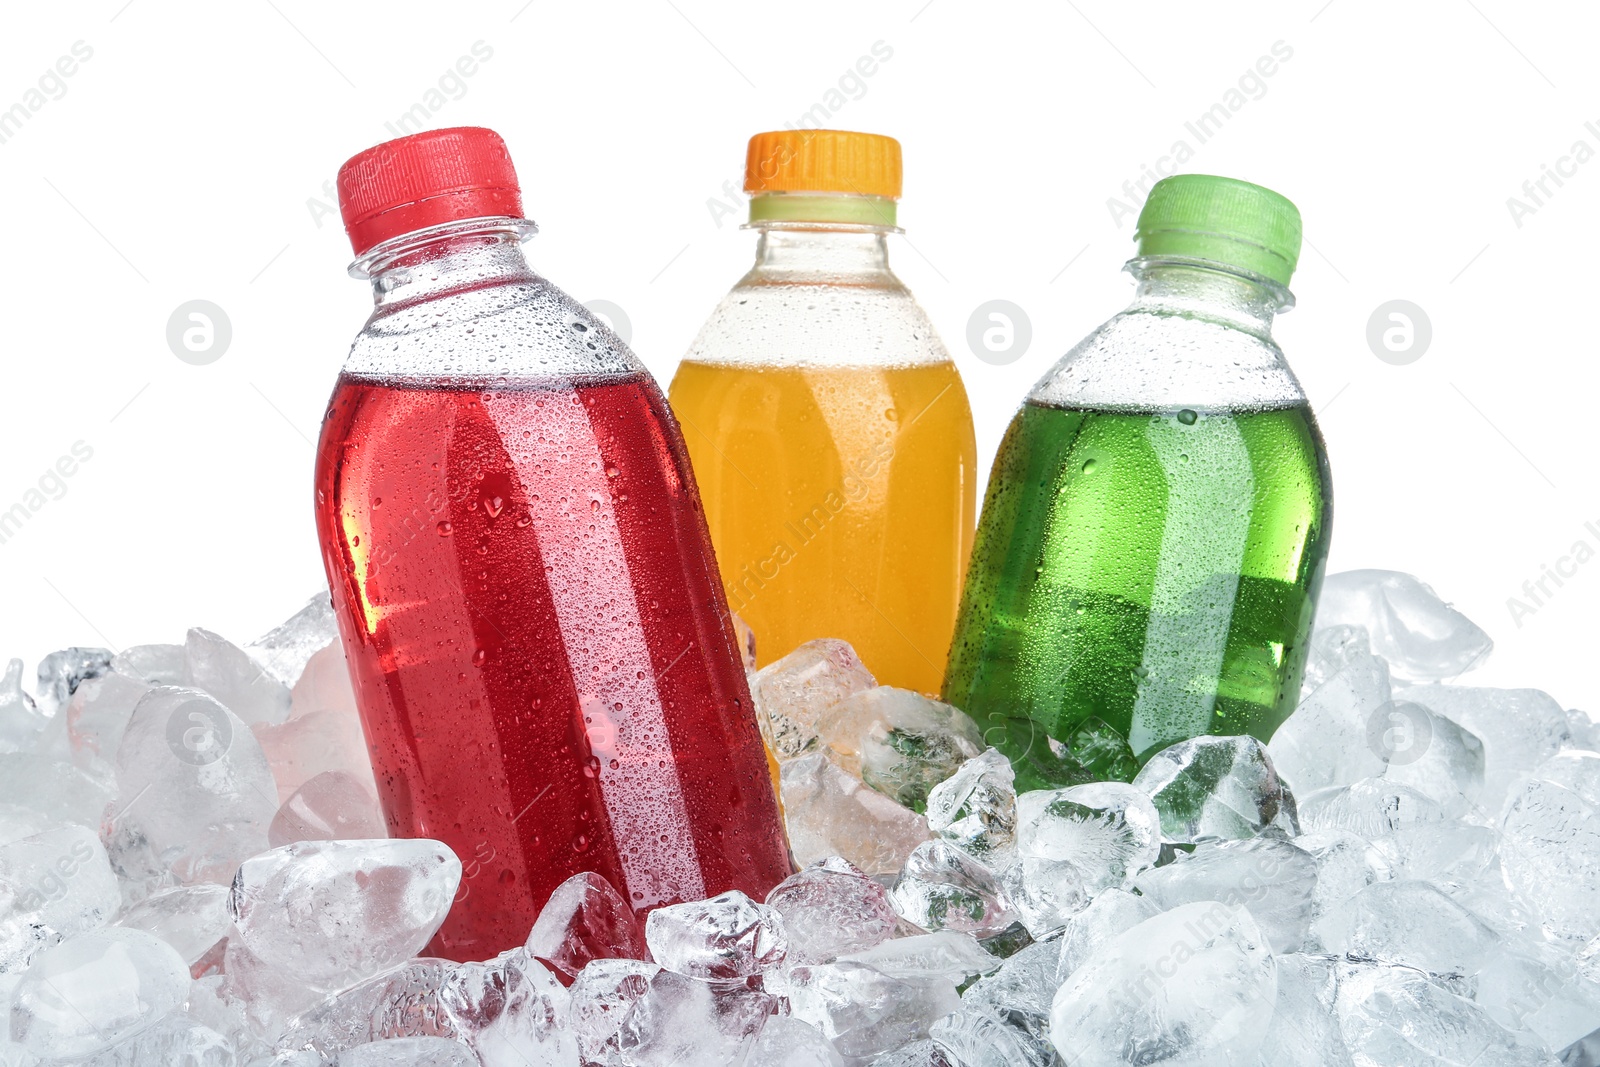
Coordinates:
194 871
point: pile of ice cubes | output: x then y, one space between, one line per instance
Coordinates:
193 872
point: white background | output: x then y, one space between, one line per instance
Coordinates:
185 159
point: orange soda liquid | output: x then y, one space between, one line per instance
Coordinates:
841 503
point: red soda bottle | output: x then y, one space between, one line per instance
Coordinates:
527 594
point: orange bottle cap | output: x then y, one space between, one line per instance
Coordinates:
823 161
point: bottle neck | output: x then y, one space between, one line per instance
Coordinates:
1204 290
455 257
806 252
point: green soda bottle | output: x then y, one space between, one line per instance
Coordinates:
1157 518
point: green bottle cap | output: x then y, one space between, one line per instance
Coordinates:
1199 216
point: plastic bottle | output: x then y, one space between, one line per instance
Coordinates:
829 428
541 651
1157 517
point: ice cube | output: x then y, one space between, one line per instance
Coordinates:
682 1020
1195 983
1327 741
60 673
975 809
324 685
286 649
1019 993
98 713
901 743
332 806
1550 853
241 683
1541 988
175 1041
944 953
151 664
1396 1015
337 912
90 992
744 639
53 885
403 1002
410 1052
865 1012
191 777
922 1053
511 1011
831 908
585 919
1109 830
56 789
17 822
1304 1031
1412 924
975 1038
727 936
1422 637
1346 865
21 722
1111 914
785 1041
942 887
1583 730
1076 842
1216 788
192 919
601 999
1433 754
1574 769
316 743
1330 650
830 813
1519 728
1372 808
792 693
1269 876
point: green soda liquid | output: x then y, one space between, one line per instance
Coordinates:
1139 579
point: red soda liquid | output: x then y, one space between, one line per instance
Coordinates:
540 645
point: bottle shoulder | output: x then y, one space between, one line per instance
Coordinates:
774 322
1150 361
527 328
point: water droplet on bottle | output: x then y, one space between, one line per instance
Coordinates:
1088 466
591 767
493 505
1187 417
611 470
580 843
445 529
479 657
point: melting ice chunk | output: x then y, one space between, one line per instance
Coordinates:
831 908
1422 637
943 888
1196 982
727 936
1216 788
336 912
975 809
332 806
585 919
792 694
92 991
831 813
193 779
901 743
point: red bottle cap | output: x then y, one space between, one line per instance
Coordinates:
424 180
